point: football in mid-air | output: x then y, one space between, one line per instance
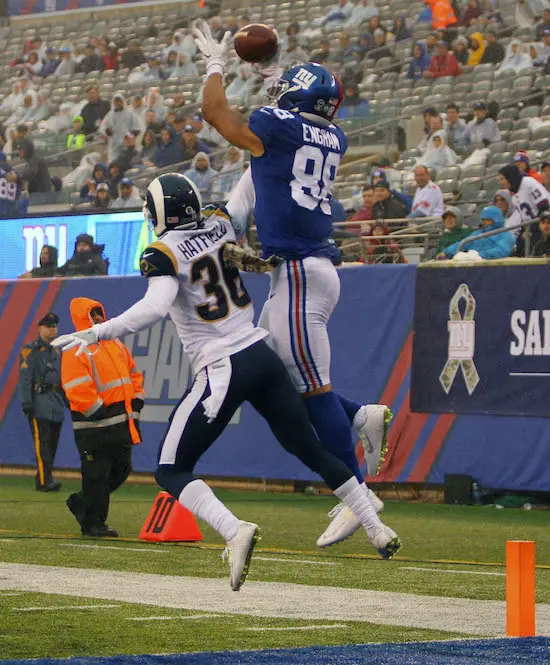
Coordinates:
256 43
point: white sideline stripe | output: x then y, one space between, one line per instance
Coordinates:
53 608
268 599
7 540
452 572
113 547
172 618
16 593
529 373
317 563
285 628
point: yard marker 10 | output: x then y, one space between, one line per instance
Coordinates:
168 520
520 588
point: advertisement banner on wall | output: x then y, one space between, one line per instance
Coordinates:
482 341
124 234
23 7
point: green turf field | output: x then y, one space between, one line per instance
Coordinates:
38 529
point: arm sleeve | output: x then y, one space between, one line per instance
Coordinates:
161 293
501 247
78 384
25 378
241 203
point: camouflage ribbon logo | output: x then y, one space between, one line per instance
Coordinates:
462 340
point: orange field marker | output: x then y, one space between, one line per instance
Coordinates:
168 521
520 588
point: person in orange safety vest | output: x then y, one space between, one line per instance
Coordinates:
105 393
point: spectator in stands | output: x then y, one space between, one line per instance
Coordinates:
100 174
337 14
76 138
482 129
231 25
431 42
94 111
498 246
51 63
23 113
522 161
362 12
178 101
206 133
168 151
380 249
201 173
154 71
48 263
133 56
428 198
323 54
116 124
217 29
400 30
545 174
438 155
15 98
293 30
453 230
35 173
419 63
365 212
185 67
102 198
67 66
443 15
382 176
128 196
353 105
33 65
129 156
154 101
137 107
191 144
457 130
544 55
542 24
442 64
148 147
231 170
471 13
387 206
515 59
542 246
114 176
460 50
111 57
380 49
91 62
503 200
494 51
86 260
151 123
477 49
293 54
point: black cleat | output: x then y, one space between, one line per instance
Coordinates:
100 531
51 486
75 504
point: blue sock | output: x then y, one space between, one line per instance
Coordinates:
350 407
331 423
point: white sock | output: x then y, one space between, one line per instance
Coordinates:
354 495
202 502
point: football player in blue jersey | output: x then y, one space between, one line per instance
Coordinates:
296 150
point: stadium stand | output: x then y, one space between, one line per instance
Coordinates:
373 59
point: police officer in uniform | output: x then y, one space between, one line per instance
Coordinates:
42 398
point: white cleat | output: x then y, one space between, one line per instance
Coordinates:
344 523
386 541
238 552
372 423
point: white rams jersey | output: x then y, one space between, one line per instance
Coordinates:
212 311
529 201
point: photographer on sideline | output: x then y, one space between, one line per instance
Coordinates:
42 398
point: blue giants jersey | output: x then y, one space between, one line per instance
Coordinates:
293 181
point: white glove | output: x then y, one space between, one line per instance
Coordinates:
215 53
82 339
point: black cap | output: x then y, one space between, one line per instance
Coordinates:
49 319
480 106
545 214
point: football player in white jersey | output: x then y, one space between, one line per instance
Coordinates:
212 311
296 148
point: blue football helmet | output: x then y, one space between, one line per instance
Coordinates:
173 201
309 88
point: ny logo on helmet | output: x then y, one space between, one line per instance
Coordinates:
304 79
